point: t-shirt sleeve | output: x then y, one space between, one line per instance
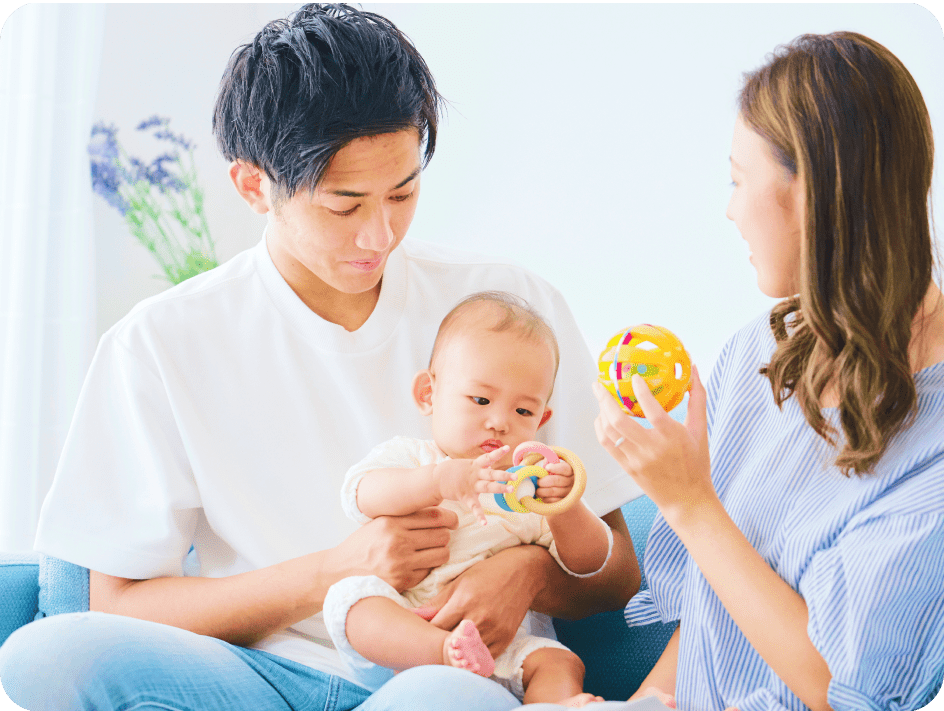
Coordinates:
876 611
396 453
123 501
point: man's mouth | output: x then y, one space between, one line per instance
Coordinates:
366 265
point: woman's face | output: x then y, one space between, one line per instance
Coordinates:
767 207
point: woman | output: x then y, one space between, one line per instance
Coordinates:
805 560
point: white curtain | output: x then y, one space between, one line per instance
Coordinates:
50 56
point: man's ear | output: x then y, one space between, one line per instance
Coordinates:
545 417
248 180
423 391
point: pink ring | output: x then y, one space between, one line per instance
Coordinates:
526 448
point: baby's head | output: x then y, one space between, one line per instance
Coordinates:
490 376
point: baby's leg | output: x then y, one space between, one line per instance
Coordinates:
554 675
377 627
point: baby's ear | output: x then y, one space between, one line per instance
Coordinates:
423 391
545 417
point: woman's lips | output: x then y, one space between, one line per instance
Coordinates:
365 265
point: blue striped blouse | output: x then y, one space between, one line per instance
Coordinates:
866 553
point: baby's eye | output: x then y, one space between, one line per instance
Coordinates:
479 400
523 412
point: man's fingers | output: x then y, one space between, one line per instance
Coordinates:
432 517
446 618
429 558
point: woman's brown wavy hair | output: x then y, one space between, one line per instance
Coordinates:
845 116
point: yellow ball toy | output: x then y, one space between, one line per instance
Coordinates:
652 352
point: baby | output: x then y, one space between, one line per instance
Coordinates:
486 390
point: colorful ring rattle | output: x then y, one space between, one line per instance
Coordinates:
522 499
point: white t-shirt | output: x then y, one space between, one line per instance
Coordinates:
225 413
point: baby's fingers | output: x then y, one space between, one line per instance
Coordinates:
494 487
476 507
491 475
489 458
560 469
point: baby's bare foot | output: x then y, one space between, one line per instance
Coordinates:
464 649
580 700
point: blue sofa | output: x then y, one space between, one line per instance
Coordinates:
617 657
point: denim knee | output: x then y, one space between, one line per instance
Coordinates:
39 666
90 660
434 688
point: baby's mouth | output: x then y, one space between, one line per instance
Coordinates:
490 445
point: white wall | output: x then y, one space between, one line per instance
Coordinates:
589 142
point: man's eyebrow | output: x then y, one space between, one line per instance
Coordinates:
354 194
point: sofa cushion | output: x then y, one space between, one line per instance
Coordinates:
19 591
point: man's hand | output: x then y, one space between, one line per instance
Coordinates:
398 549
463 480
557 484
494 594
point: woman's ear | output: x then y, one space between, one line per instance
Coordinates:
423 391
546 416
252 185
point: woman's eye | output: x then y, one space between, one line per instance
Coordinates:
480 400
525 413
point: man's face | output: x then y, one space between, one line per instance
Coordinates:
338 238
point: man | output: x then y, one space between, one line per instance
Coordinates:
224 413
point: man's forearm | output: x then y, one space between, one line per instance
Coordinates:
240 609
568 597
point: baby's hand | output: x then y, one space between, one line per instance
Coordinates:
558 482
463 480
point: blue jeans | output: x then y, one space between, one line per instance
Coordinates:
96 662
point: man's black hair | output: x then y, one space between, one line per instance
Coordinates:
309 84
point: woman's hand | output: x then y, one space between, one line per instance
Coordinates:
664 697
669 462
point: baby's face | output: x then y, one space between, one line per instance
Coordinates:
490 389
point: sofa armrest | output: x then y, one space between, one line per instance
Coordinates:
19 591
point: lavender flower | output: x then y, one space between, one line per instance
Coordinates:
155 120
174 138
161 201
106 172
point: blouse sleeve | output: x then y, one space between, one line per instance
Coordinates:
876 611
665 556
